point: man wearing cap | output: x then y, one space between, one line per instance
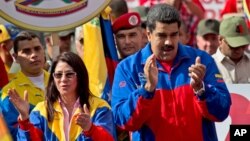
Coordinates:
8 32
128 34
207 35
230 57
64 44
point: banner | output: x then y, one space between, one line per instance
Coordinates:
239 111
50 15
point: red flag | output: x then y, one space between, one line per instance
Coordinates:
229 7
3 75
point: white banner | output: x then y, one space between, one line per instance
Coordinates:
50 15
239 111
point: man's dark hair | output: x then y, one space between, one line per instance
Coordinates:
24 35
119 7
163 13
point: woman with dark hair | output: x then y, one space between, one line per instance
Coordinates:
70 111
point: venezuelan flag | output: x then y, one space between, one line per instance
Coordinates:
4 133
100 56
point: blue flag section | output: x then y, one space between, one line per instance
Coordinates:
110 52
109 47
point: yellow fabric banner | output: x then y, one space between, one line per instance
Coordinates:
93 56
4 133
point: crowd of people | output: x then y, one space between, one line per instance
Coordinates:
173 70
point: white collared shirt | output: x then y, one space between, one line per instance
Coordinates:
233 73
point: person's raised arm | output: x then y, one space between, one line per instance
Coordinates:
22 106
213 99
194 8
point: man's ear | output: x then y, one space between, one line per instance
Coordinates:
148 34
15 57
220 38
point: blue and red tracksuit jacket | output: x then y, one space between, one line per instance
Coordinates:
172 112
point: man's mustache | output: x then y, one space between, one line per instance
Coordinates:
167 47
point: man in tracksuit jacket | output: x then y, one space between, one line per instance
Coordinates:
168 91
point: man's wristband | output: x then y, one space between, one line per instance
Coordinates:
201 90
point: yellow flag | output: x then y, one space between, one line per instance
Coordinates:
4 133
93 56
